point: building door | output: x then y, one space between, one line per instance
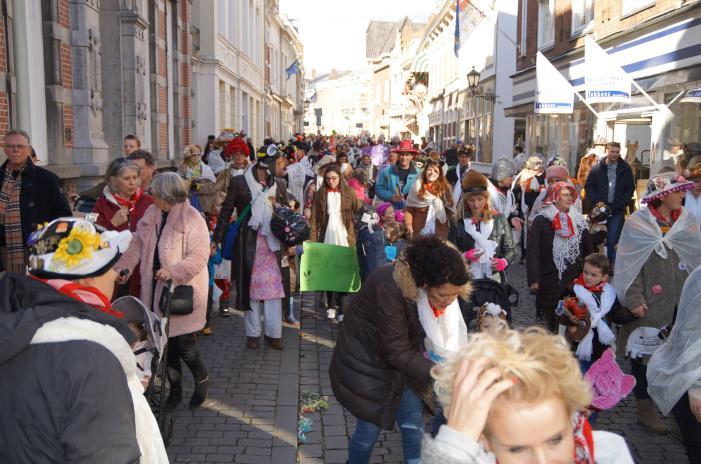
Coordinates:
635 136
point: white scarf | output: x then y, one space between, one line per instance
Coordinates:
436 207
262 208
66 329
483 266
502 202
566 251
445 334
641 236
597 313
336 233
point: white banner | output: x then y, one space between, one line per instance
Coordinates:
692 96
554 94
604 80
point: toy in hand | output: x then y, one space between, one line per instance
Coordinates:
609 384
580 320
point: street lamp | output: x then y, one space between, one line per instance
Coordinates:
473 80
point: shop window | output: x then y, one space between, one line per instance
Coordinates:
582 16
546 23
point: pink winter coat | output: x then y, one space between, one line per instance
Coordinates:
183 250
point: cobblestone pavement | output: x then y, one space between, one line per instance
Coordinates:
252 415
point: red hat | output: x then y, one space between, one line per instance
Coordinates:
405 146
236 145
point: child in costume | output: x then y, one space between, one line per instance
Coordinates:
588 304
490 316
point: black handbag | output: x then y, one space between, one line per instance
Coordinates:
177 302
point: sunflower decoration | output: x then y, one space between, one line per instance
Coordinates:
78 246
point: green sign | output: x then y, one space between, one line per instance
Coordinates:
330 268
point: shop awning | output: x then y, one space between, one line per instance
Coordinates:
420 63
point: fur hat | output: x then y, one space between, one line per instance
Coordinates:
323 162
534 163
236 145
662 184
502 169
74 248
474 182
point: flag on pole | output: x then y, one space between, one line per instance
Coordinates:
456 45
692 96
292 69
554 94
604 80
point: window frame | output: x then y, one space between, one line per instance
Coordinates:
542 45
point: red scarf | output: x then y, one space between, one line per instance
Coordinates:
674 215
88 295
129 204
556 225
436 312
598 288
332 190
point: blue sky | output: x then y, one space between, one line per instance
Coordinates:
333 31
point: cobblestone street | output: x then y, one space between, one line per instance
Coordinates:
252 415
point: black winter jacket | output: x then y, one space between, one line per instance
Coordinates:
41 199
65 401
378 351
597 185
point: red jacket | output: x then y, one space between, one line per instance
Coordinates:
107 206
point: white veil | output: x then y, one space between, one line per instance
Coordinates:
641 236
676 366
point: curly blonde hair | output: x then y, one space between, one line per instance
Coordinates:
542 365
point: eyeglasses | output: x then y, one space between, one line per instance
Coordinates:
15 147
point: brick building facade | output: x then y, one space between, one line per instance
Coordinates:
79 75
657 42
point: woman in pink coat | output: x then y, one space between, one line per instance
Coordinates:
171 242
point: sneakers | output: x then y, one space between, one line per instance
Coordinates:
331 313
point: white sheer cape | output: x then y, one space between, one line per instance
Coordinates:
641 236
676 366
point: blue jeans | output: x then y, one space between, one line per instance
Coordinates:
411 423
614 226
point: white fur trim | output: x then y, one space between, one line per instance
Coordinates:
70 328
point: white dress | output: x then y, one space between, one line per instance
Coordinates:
336 233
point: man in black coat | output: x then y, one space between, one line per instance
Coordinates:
41 199
611 181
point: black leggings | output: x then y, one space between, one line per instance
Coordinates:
333 299
183 347
639 371
690 429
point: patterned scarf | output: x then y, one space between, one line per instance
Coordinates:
10 215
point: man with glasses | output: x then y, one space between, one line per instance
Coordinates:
29 195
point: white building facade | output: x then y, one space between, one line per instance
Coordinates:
450 111
228 68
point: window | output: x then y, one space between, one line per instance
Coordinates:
524 28
582 16
546 23
629 7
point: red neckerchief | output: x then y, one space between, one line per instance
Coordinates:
595 289
129 204
437 312
556 224
88 295
667 224
330 190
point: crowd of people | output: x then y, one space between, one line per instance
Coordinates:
428 332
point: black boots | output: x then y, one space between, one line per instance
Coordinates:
200 394
175 397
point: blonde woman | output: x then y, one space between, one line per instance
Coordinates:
200 178
515 397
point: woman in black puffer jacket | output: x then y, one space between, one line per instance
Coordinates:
379 371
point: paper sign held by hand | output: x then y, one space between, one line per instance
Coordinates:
329 268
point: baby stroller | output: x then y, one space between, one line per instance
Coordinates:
155 348
488 291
